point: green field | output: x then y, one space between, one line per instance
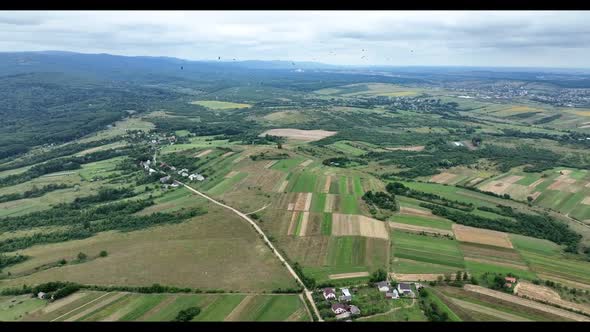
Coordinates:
304 182
226 184
15 308
326 225
286 165
426 249
142 305
477 268
348 204
423 221
318 202
358 188
220 308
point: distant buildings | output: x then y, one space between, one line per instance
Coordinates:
383 286
329 293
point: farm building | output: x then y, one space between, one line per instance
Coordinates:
346 296
165 179
339 308
392 295
329 293
510 281
196 176
152 171
41 295
383 286
354 310
458 143
175 184
404 289
172 168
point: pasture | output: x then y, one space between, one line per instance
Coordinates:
424 254
116 306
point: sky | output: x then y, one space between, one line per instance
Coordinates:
397 38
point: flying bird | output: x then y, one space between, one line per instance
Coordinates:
218 58
181 67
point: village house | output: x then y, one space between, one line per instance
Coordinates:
392 295
383 286
510 281
346 296
165 179
339 308
172 168
329 294
151 171
196 176
185 174
175 184
404 288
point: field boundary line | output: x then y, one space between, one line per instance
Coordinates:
265 238
85 304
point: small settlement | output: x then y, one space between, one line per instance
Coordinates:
341 300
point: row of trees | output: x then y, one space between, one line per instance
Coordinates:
400 189
34 192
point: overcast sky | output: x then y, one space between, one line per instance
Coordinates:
478 38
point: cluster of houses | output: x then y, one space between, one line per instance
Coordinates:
341 310
147 165
403 289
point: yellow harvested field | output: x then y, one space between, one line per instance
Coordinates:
545 294
227 154
328 183
231 174
536 183
483 236
564 183
330 200
219 105
348 275
270 163
356 225
586 200
501 186
204 153
474 181
518 109
567 282
303 202
527 303
291 206
283 186
582 113
298 134
306 163
407 148
304 222
293 223
443 177
418 229
416 212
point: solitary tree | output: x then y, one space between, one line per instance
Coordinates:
103 253
82 256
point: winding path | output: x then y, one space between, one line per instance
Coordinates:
272 247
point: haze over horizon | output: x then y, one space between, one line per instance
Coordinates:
358 38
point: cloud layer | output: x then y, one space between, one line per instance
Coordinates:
480 38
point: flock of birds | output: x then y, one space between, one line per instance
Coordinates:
314 59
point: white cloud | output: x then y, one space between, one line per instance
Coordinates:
388 37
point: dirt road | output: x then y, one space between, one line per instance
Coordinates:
272 247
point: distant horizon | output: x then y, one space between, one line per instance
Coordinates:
463 38
359 66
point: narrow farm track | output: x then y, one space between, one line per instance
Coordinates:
272 247
262 208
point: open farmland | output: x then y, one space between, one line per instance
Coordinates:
301 135
413 253
219 105
115 306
